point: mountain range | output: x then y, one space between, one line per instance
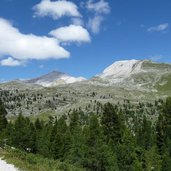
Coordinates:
143 75
55 78
140 74
57 92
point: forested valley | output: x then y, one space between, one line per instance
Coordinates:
107 141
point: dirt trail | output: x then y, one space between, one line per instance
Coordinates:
4 166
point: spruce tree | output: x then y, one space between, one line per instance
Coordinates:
112 125
98 156
152 160
77 141
166 161
3 113
163 126
61 141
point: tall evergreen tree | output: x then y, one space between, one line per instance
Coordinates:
126 152
77 141
163 126
112 125
160 132
152 160
61 141
43 141
24 134
145 136
98 156
166 161
3 119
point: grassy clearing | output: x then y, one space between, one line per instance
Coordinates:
31 162
155 65
167 85
42 116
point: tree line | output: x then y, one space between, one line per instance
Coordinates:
94 142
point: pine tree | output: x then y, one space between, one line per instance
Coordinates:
98 156
112 125
145 137
43 141
24 134
126 152
163 126
39 125
152 160
3 113
160 132
167 115
77 142
10 133
61 141
166 161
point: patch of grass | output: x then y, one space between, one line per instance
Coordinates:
167 85
154 65
31 162
42 116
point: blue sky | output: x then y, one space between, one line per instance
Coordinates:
104 31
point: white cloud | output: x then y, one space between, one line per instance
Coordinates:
28 46
11 62
71 33
101 7
94 24
159 28
56 9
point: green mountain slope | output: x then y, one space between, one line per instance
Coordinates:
138 81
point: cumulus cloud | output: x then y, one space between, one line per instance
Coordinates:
56 9
99 9
158 28
71 33
11 62
28 46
